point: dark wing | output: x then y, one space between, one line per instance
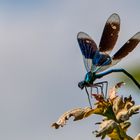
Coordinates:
88 48
126 48
110 34
123 51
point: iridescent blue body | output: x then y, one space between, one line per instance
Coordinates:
89 79
100 60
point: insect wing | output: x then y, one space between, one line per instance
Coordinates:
123 51
105 62
126 48
88 48
110 34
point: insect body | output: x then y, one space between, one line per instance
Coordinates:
97 59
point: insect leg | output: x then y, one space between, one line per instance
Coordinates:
88 97
106 88
101 85
91 92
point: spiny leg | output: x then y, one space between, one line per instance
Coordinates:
101 85
88 97
101 88
92 86
91 92
97 89
106 88
95 86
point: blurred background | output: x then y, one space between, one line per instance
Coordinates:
41 64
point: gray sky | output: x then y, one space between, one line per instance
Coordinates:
41 63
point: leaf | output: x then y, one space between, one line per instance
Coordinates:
106 127
113 91
134 110
124 108
113 130
117 104
122 115
78 114
137 137
125 125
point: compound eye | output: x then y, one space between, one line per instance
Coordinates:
81 85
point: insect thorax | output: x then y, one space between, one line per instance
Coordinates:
90 77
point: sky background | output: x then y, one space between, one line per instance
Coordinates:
41 64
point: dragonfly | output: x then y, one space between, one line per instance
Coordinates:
97 59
